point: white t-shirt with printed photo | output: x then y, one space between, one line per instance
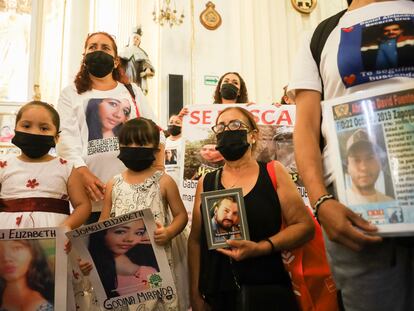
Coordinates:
90 123
349 57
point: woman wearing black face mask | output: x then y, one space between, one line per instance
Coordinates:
257 262
173 145
231 89
100 79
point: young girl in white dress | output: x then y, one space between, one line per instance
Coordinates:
143 186
35 187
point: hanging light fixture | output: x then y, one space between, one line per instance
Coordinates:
167 15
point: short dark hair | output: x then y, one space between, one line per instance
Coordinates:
52 111
140 131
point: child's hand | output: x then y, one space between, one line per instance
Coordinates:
161 235
84 266
68 246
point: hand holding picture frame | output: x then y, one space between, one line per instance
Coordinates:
225 217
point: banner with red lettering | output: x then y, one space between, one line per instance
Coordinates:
200 156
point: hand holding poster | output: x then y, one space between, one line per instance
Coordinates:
29 261
373 155
128 268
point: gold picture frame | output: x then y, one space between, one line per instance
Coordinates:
210 18
304 6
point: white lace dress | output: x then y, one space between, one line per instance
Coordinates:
128 198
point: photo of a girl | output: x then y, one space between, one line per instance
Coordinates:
124 258
105 116
26 280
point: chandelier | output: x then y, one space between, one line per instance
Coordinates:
167 15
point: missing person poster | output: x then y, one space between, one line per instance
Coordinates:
128 268
34 261
200 156
7 122
226 217
373 155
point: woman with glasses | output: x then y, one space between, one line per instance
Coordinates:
217 277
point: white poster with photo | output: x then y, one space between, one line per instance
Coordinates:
7 122
128 267
34 261
372 139
200 156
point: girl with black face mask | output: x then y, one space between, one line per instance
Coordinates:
256 263
36 189
44 181
144 186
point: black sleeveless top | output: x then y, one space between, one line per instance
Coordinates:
217 271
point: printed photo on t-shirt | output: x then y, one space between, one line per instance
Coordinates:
171 156
377 49
104 118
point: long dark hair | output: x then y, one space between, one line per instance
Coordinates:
83 82
39 276
104 260
93 120
241 98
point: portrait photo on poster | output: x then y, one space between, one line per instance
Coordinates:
365 164
7 121
225 217
127 265
29 259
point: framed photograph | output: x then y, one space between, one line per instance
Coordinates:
35 261
128 267
225 217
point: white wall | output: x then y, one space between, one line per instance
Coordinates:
258 39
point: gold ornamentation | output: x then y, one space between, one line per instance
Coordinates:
167 14
210 18
304 6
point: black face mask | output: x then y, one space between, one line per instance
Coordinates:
136 158
99 64
174 130
229 91
232 144
33 146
